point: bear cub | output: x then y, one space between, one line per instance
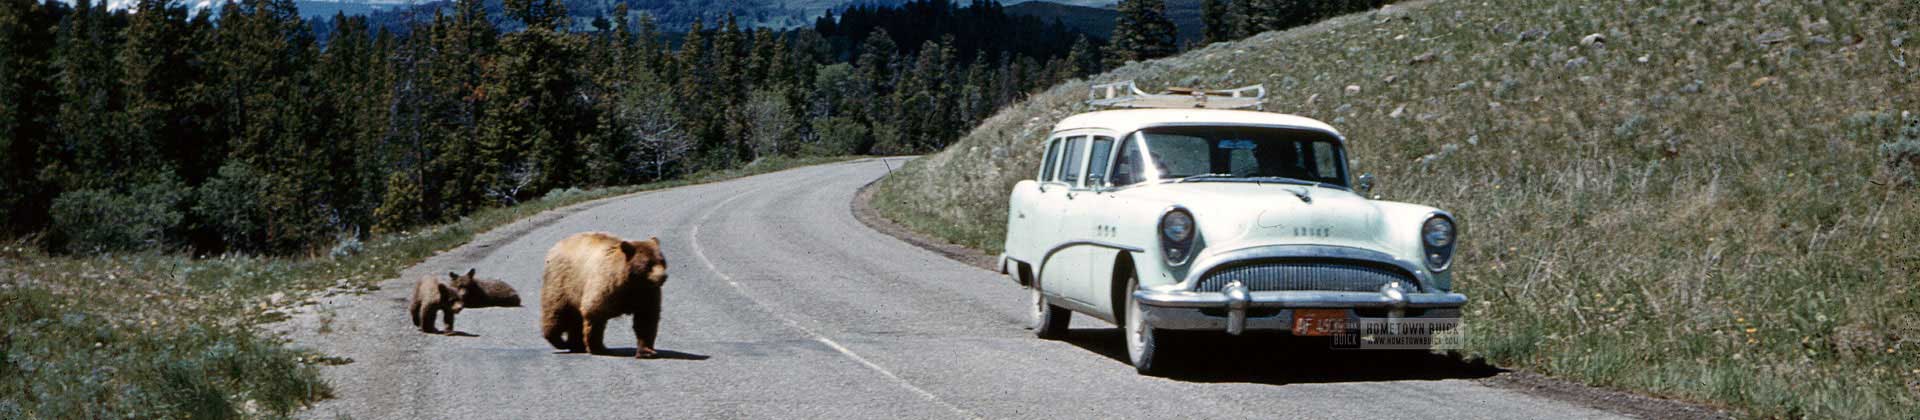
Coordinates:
488 293
432 296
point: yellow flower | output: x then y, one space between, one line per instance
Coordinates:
1752 330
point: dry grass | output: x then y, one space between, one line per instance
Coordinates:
1700 206
169 336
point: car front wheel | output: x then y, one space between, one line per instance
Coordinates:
1048 321
1142 348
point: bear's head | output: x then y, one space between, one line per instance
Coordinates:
461 285
645 261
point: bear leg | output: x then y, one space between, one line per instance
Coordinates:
425 319
561 327
596 329
646 325
449 315
413 312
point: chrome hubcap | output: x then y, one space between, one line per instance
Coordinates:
1134 325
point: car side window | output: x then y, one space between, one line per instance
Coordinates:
1051 161
1099 155
1328 163
1076 151
1128 167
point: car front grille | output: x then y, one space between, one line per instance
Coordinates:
1337 276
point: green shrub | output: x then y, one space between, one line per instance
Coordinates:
838 136
92 220
1903 155
401 208
230 203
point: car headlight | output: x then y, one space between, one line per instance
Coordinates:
1437 236
1177 226
1176 235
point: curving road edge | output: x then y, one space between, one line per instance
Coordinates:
783 305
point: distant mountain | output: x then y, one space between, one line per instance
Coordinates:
1094 17
1098 21
1095 21
672 15
310 9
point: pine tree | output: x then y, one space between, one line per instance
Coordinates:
1079 62
1142 32
1213 14
647 49
349 79
155 72
537 14
875 73
91 151
977 96
730 146
530 140
1239 21
26 96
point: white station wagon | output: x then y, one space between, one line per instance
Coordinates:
1184 216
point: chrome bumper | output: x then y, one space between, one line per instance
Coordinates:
1185 310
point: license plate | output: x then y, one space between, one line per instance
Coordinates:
1319 322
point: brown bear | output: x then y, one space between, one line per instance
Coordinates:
430 295
486 293
592 277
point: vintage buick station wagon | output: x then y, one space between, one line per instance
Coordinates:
1179 215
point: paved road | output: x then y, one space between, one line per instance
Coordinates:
782 305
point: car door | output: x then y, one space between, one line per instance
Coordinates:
1059 271
1080 224
1093 218
1029 213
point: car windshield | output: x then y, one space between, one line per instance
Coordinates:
1245 153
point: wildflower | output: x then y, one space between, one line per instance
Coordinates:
1752 330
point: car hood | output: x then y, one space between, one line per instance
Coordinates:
1233 215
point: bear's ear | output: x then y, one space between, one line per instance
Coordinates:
470 272
627 248
655 239
451 275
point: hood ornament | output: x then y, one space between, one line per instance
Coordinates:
1305 195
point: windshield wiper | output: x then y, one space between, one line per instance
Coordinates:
1203 176
1285 180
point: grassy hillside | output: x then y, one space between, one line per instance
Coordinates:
1695 199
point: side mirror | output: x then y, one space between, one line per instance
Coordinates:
1364 185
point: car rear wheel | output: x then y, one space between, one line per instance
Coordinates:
1142 347
1048 321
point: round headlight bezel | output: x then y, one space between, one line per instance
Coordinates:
1177 247
1439 234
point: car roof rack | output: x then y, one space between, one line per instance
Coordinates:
1125 94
